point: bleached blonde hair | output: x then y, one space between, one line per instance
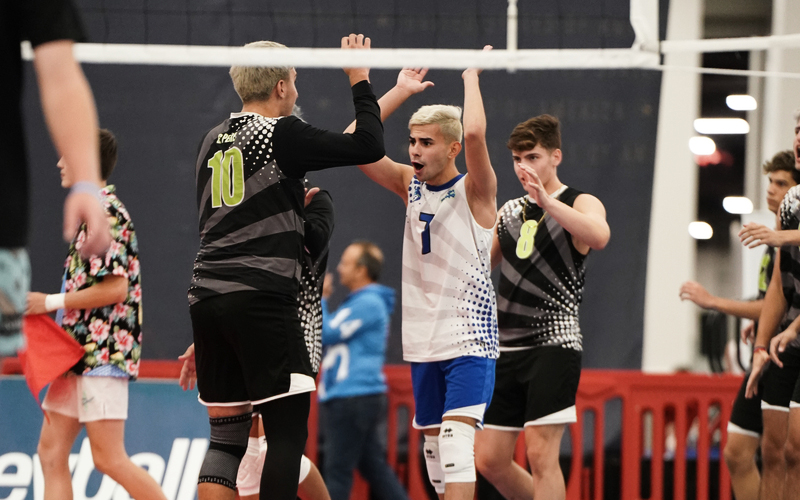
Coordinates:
447 117
255 83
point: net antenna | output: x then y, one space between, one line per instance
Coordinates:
645 52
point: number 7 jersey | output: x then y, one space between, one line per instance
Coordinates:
449 304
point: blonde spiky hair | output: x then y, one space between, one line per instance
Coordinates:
447 117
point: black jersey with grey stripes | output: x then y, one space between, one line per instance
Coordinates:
538 297
250 193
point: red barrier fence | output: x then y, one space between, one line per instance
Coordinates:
664 419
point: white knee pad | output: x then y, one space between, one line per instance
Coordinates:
305 468
457 448
432 462
248 480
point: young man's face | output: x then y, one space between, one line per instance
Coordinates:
796 145
780 181
429 151
66 180
540 159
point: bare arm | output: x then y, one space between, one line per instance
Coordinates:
481 183
111 290
750 309
754 234
768 322
71 117
497 253
392 175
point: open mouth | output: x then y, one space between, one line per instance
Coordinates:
417 166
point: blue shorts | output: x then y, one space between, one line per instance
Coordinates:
454 387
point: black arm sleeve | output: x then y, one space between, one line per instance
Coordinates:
49 20
319 223
301 148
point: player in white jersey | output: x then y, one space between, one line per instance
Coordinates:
449 311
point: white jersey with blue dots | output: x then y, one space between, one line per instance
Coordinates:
449 305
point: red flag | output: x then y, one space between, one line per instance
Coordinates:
49 352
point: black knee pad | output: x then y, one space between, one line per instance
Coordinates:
227 446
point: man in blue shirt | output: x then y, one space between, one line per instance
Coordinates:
352 389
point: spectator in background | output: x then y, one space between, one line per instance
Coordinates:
101 309
352 389
68 105
745 425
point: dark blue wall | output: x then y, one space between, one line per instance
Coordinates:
160 113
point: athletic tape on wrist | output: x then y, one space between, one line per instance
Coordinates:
54 302
85 187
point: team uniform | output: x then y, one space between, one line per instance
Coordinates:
539 297
38 21
781 387
243 296
746 413
449 305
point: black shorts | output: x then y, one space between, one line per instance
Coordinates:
534 387
746 413
249 348
780 384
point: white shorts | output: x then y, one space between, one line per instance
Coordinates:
88 399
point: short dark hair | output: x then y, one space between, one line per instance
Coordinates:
371 258
108 153
542 129
783 161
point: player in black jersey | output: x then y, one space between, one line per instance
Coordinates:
745 425
249 346
780 443
542 240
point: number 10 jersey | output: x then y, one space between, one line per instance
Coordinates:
449 305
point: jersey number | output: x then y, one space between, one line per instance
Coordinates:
426 233
227 178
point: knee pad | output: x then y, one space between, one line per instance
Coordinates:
457 449
248 481
433 464
305 468
227 446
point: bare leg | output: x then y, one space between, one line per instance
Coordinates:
543 443
773 470
494 458
55 442
107 438
791 489
740 453
212 491
313 487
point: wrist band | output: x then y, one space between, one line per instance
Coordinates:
85 187
54 302
760 348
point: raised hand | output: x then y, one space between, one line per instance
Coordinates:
411 80
476 71
695 292
358 42
534 187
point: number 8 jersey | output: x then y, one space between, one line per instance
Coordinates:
449 305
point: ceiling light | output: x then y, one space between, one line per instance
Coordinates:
741 102
721 126
737 205
701 146
700 230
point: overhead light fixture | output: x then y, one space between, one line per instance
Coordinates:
741 102
712 126
702 146
700 230
737 205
